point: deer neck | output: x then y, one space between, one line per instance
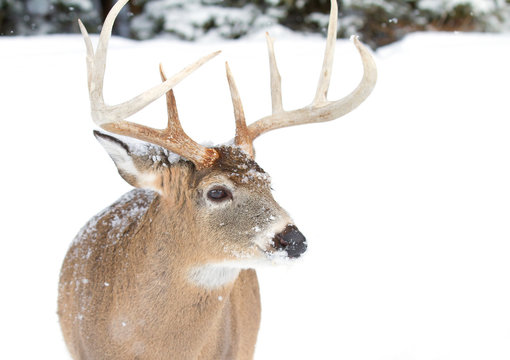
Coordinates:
164 304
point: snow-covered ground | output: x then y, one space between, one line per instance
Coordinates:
405 202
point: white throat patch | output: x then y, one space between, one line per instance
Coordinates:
213 276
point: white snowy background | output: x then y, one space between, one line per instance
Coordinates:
405 202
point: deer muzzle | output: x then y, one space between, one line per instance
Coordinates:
291 240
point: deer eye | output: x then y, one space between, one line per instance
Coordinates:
219 194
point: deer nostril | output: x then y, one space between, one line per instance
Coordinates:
291 240
280 241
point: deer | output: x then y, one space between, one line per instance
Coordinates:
168 270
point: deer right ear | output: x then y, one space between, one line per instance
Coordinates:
141 168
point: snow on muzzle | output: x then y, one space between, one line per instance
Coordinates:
291 240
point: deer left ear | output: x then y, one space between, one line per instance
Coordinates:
141 166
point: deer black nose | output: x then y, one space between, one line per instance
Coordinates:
291 240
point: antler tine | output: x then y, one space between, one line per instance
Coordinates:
329 54
276 80
90 55
111 118
176 140
321 109
242 138
171 105
128 108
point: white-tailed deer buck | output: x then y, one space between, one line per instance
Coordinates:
166 271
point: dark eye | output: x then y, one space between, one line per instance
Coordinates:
219 194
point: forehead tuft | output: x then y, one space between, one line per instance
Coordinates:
240 167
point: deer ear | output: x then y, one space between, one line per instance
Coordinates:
141 165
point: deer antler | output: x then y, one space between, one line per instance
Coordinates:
111 118
242 138
320 109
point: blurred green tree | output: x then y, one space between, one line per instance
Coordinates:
378 22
